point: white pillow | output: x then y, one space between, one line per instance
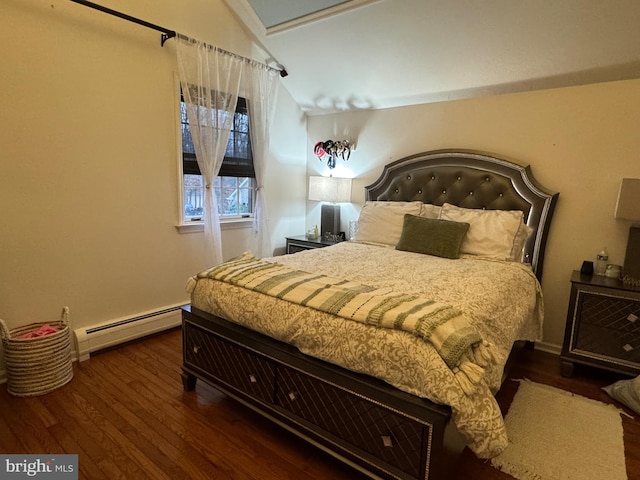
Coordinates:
428 210
524 232
499 234
626 392
381 222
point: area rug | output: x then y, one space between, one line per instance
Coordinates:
556 435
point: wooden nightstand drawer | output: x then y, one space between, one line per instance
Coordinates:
301 242
609 326
295 248
608 311
610 344
603 325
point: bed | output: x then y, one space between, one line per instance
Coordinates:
394 399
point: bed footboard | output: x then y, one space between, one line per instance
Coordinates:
364 422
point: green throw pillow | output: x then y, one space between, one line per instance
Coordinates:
441 238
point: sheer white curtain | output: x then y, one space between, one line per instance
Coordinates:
210 79
261 86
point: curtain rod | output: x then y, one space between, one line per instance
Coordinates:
166 32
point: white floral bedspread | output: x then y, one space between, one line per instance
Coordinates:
502 299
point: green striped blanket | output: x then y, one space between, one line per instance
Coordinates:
455 339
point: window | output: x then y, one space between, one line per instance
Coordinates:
234 185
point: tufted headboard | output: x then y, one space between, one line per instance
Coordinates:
471 180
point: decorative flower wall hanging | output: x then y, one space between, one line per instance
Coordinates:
330 149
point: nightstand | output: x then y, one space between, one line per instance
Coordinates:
301 242
603 325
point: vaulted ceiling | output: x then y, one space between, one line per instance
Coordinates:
363 54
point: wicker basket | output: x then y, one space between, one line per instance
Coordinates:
36 366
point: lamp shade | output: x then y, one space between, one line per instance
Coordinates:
628 204
330 189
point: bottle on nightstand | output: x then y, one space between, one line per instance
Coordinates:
601 262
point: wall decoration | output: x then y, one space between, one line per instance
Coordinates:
331 149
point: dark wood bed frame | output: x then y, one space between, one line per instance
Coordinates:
365 422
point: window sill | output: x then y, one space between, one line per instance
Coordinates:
228 224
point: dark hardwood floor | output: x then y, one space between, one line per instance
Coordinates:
126 415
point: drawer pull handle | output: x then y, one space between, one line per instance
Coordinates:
253 378
196 348
293 396
387 441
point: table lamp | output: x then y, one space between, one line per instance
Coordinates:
333 190
628 208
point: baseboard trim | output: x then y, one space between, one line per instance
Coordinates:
548 347
125 329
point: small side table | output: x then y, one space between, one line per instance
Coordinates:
603 325
301 242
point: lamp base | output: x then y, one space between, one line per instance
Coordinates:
631 270
329 219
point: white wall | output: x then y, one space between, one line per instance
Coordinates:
89 152
88 146
579 141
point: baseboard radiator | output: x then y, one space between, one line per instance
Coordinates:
125 329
